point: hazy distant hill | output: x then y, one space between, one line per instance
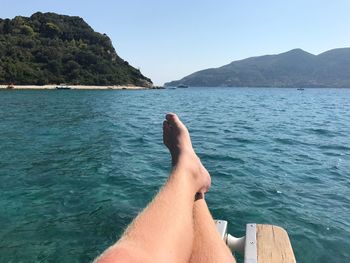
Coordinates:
48 48
295 68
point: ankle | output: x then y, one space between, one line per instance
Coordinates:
184 180
190 170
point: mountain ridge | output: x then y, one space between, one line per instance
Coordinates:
293 68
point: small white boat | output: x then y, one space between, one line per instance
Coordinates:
261 244
63 87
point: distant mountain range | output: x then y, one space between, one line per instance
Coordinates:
48 48
295 68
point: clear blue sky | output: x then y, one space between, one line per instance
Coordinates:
170 39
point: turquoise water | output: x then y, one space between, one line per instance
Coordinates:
77 166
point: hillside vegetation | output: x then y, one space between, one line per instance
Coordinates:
295 68
48 48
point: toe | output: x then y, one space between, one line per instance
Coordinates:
175 123
166 130
173 119
166 126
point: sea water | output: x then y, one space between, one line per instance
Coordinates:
77 166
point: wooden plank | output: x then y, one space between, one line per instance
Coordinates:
273 245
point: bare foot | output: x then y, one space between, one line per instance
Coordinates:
177 138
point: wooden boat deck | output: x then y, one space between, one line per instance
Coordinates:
273 245
261 244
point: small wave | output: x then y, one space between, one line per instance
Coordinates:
320 131
286 141
334 147
222 157
241 140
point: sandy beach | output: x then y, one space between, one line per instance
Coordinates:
80 87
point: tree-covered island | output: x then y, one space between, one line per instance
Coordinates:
48 48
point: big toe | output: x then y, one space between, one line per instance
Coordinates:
174 120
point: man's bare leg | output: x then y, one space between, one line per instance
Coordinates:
208 245
163 232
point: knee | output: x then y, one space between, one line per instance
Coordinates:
119 255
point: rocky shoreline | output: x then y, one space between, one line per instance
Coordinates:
78 87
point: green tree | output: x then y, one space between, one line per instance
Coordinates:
7 27
27 30
52 30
